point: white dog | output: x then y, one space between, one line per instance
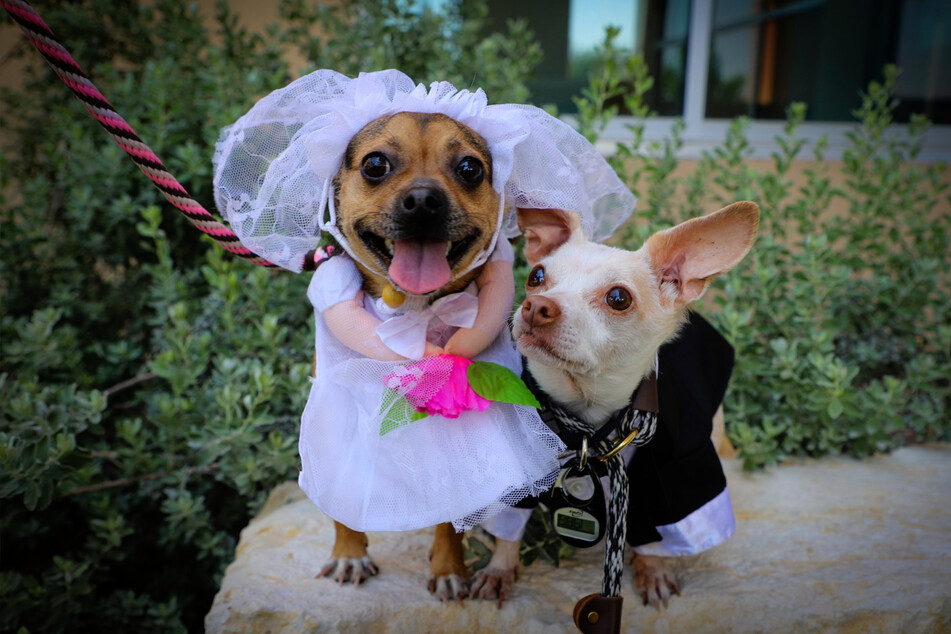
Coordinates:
591 327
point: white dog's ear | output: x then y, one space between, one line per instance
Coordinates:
547 229
688 256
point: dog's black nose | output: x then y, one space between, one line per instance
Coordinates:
425 201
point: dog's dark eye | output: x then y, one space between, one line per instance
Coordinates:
470 170
536 277
618 298
375 166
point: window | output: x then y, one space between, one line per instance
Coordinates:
767 53
568 31
924 55
665 38
762 54
715 59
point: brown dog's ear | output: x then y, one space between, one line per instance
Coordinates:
545 230
686 257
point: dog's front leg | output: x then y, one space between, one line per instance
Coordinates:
349 560
447 565
652 580
496 580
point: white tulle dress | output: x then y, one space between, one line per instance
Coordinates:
274 173
462 470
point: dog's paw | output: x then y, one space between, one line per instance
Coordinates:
492 583
448 587
347 569
653 581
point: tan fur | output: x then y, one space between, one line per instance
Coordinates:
349 543
422 148
724 447
447 556
544 229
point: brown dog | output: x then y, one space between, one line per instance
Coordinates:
415 202
415 195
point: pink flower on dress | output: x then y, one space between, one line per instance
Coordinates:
438 385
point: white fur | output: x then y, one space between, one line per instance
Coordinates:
600 355
590 358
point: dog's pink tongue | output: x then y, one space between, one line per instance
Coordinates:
419 267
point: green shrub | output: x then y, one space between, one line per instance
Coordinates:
841 322
152 386
452 45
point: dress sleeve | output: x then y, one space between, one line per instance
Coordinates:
334 281
503 251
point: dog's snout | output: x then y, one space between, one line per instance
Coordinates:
425 201
539 311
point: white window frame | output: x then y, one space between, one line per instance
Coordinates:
701 134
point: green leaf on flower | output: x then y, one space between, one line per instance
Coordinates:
497 383
398 412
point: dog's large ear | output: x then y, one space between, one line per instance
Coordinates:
688 256
547 229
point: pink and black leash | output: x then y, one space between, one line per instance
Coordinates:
41 36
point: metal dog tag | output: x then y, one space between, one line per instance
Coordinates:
578 512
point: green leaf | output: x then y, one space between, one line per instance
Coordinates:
398 412
31 496
497 383
835 408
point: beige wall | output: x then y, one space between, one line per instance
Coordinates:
797 176
253 15
11 37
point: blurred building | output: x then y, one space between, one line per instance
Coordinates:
713 60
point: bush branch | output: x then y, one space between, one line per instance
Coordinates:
111 484
140 378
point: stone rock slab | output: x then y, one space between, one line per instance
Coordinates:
821 545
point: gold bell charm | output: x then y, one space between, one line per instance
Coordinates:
392 297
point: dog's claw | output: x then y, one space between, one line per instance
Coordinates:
347 569
653 582
449 587
494 583
656 594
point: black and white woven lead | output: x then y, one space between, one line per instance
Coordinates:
621 424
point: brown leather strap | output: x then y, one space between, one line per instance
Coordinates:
596 614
